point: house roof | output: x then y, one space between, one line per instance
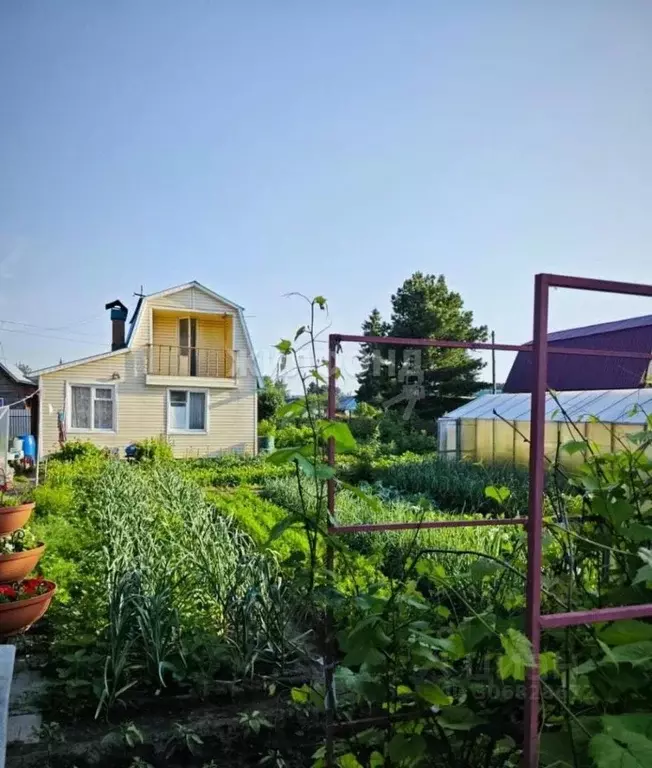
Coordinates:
15 374
624 406
575 372
137 316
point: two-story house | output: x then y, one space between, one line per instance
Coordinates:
182 367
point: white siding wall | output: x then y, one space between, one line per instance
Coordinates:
142 409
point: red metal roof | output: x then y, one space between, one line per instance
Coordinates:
571 372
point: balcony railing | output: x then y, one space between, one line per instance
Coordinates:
164 360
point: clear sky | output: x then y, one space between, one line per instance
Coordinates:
324 147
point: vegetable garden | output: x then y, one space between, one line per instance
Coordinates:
206 615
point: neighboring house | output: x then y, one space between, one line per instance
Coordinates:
185 370
582 372
14 386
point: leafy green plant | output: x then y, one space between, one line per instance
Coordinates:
153 449
292 435
72 450
184 740
266 428
254 721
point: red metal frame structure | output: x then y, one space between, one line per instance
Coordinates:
533 523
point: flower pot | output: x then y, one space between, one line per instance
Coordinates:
18 616
16 565
13 518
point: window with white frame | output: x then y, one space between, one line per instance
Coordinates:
92 408
186 410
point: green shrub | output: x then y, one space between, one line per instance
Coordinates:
290 436
399 435
77 449
153 449
266 428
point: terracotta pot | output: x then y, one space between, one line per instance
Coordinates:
16 565
13 518
20 615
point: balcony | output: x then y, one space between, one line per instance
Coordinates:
192 366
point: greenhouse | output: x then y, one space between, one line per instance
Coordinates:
497 427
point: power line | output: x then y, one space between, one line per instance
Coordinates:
48 328
50 336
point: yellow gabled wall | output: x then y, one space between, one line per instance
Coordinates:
141 408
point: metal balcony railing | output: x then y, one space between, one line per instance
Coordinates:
164 360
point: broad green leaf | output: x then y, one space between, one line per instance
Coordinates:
295 408
547 663
459 719
617 512
623 749
406 746
575 446
473 631
320 301
283 455
637 532
625 632
483 568
349 761
282 526
376 760
644 574
321 471
433 694
284 346
499 494
518 655
300 695
637 722
632 653
340 432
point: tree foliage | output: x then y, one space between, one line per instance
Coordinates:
370 357
424 307
271 397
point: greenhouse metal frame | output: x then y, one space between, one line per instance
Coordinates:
536 622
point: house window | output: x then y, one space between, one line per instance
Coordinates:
92 408
186 411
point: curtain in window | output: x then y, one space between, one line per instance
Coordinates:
103 409
197 410
178 410
80 407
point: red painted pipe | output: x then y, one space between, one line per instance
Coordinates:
599 615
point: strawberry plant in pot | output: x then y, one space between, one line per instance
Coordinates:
19 555
15 510
23 604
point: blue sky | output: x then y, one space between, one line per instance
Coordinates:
329 148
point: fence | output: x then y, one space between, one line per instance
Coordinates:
20 422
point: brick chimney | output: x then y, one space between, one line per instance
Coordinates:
118 319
